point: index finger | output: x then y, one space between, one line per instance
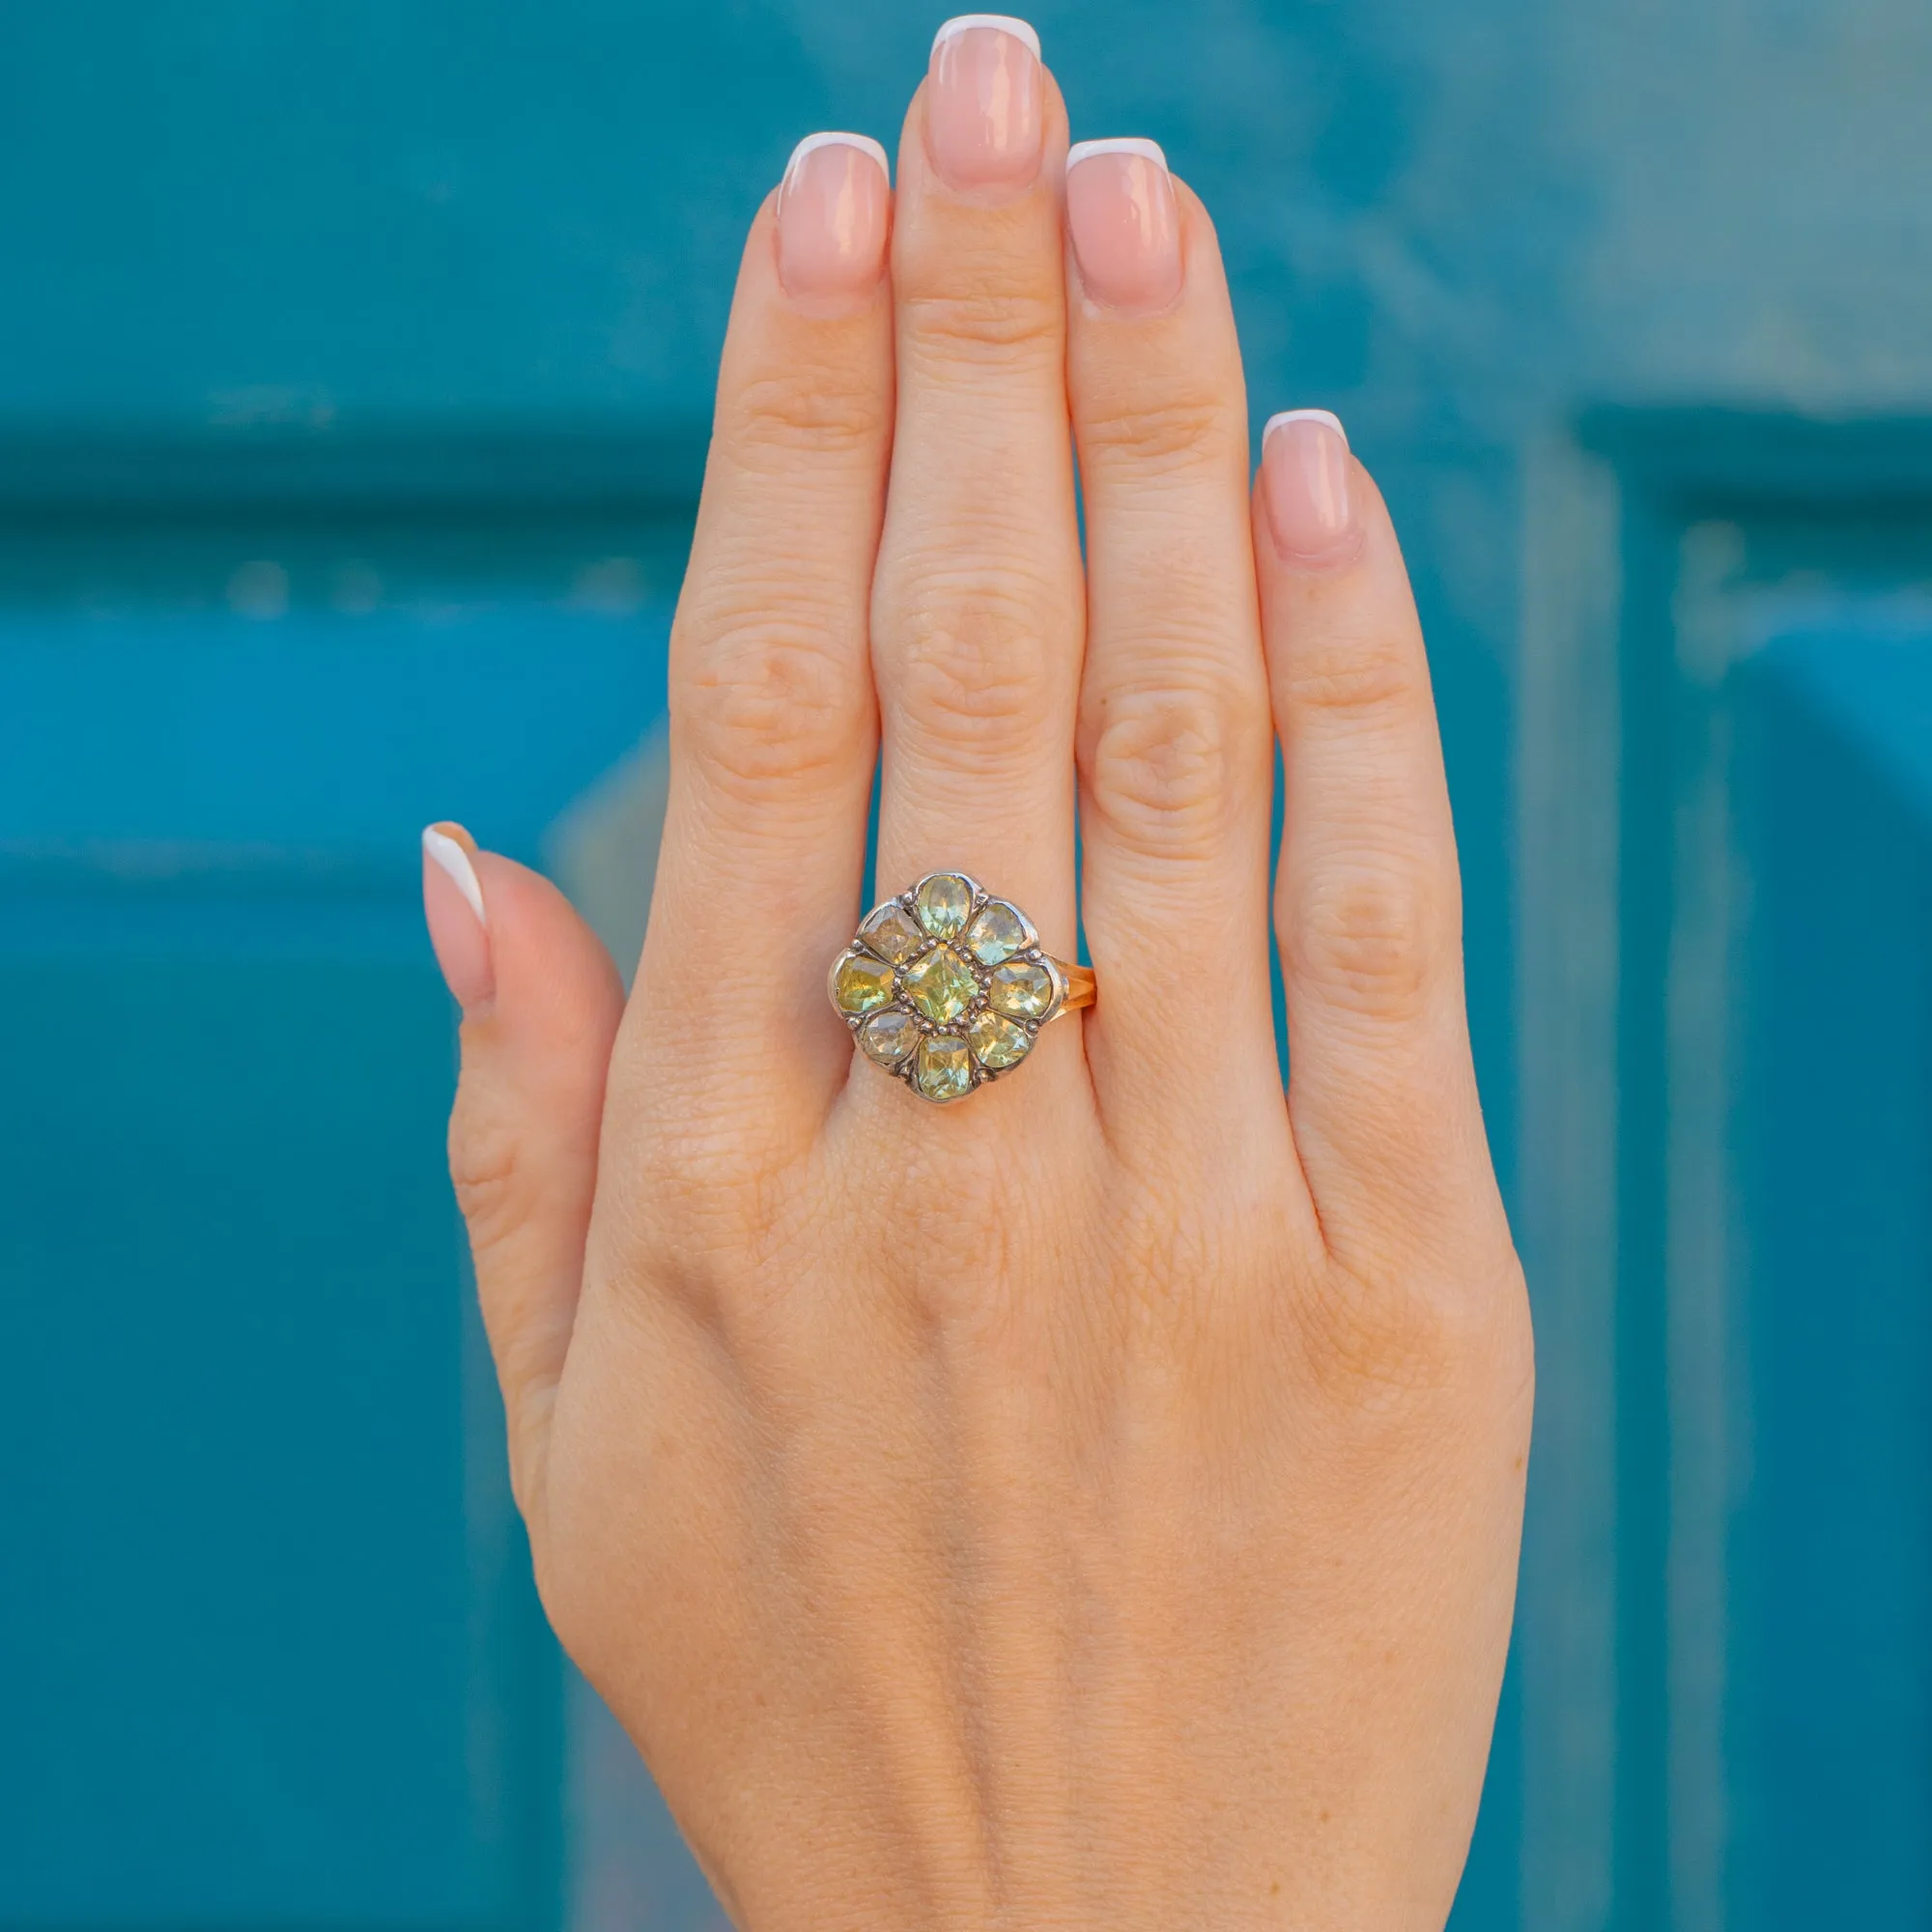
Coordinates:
771 697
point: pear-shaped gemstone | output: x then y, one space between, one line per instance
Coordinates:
893 933
888 1036
861 984
997 1042
1021 990
941 986
944 899
944 1069
997 935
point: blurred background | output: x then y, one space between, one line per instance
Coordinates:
354 362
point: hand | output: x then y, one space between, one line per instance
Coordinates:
1095 1503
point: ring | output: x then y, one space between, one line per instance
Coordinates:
945 987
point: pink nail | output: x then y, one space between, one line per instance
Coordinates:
1125 228
834 208
1305 483
983 108
453 906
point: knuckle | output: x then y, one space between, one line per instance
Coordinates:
1379 1336
707 1174
712 1178
983 324
1375 1341
717 1219
1160 763
806 409
1183 432
1372 672
769 701
488 1173
975 677
1366 936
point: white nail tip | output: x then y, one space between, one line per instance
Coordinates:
1329 416
1001 24
813 142
1124 144
453 860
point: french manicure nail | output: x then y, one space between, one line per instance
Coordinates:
834 208
1125 228
1305 485
983 108
459 929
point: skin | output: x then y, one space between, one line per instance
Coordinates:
1095 1503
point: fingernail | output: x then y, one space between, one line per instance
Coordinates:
453 906
983 111
834 207
1125 227
1305 482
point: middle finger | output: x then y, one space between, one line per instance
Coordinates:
977 607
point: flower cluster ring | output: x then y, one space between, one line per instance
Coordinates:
945 987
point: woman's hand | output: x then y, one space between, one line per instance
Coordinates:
1097 1503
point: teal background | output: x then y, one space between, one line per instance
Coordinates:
353 367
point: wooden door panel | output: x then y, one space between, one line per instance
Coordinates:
1832 1731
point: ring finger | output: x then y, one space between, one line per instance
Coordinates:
1176 739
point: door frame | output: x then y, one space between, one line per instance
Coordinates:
1636 604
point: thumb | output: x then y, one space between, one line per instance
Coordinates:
541 1002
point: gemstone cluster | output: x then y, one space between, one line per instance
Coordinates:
945 987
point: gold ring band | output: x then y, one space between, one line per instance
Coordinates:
1082 988
947 986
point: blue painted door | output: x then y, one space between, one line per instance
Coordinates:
1726 838
1834 1724
270 1653
353 361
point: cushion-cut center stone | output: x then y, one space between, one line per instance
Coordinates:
941 986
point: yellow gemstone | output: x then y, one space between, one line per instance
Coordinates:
941 986
1021 990
888 1036
861 984
997 935
944 899
945 1069
893 933
996 1042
